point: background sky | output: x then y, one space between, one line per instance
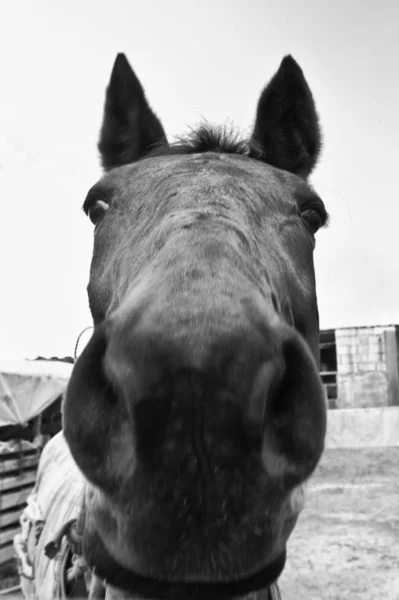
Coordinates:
212 59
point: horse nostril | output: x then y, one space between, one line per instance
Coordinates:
295 414
94 427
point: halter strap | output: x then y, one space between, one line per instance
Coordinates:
120 577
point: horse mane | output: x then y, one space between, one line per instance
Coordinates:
206 137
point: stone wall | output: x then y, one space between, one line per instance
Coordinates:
362 360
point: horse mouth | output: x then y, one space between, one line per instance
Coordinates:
228 584
118 582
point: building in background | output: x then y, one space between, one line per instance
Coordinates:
359 366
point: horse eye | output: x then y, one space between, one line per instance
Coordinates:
312 219
97 211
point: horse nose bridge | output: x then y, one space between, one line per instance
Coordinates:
234 341
195 314
220 334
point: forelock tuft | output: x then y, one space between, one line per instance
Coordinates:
225 139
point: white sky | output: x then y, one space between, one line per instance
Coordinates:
209 58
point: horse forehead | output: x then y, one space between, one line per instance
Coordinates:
200 175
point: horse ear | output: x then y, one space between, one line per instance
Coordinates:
130 128
286 132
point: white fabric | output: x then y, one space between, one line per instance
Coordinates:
56 498
28 387
31 521
363 427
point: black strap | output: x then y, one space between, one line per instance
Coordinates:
164 590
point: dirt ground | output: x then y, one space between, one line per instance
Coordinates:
346 543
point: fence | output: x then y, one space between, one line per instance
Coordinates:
18 467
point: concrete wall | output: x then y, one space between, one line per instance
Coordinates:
362 360
363 427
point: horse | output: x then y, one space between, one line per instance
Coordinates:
196 412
